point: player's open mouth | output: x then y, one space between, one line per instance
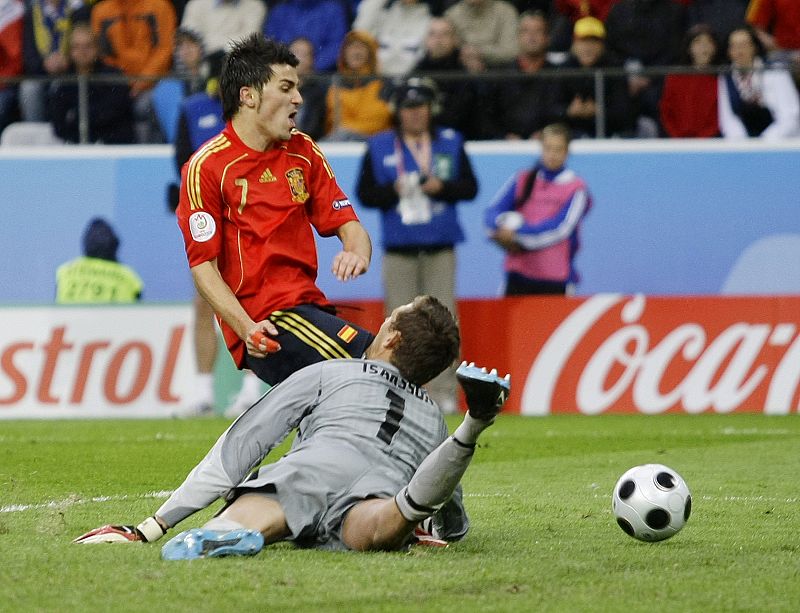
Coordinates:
292 122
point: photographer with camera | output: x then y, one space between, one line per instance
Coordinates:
415 174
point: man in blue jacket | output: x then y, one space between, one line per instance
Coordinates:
416 174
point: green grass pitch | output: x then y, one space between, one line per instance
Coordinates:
538 492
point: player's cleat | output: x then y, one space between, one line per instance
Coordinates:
110 534
485 391
201 543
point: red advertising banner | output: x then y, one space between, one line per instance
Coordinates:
121 361
608 353
613 353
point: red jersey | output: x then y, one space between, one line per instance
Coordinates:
689 106
253 211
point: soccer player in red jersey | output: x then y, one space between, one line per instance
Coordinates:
249 199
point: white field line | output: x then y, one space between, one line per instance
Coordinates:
69 502
74 501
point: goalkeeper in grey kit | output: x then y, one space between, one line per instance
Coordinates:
372 459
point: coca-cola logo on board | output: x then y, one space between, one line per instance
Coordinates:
720 361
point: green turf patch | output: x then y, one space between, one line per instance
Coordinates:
538 492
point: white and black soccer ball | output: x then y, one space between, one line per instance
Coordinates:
651 502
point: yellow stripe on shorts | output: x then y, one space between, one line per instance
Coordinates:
309 334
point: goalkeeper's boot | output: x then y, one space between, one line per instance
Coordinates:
202 543
486 392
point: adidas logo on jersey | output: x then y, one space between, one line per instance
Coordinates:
267 177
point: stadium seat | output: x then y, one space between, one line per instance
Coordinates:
167 97
26 133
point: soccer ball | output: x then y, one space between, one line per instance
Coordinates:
651 502
510 220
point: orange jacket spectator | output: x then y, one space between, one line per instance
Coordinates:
355 105
136 36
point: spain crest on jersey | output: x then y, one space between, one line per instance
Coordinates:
297 183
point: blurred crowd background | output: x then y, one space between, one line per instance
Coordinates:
121 71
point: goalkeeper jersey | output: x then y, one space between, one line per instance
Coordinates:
364 405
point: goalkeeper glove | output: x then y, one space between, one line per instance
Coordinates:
148 531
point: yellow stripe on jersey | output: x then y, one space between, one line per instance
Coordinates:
193 173
324 161
309 334
321 155
190 173
318 151
302 157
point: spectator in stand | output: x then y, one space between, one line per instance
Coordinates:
356 104
462 107
324 22
646 33
756 99
11 64
138 38
97 277
460 103
415 175
777 23
577 94
476 66
189 61
190 68
46 29
199 119
535 218
220 21
689 101
524 106
488 26
110 111
310 117
400 27
722 16
567 12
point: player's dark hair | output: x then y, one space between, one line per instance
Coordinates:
249 64
429 340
